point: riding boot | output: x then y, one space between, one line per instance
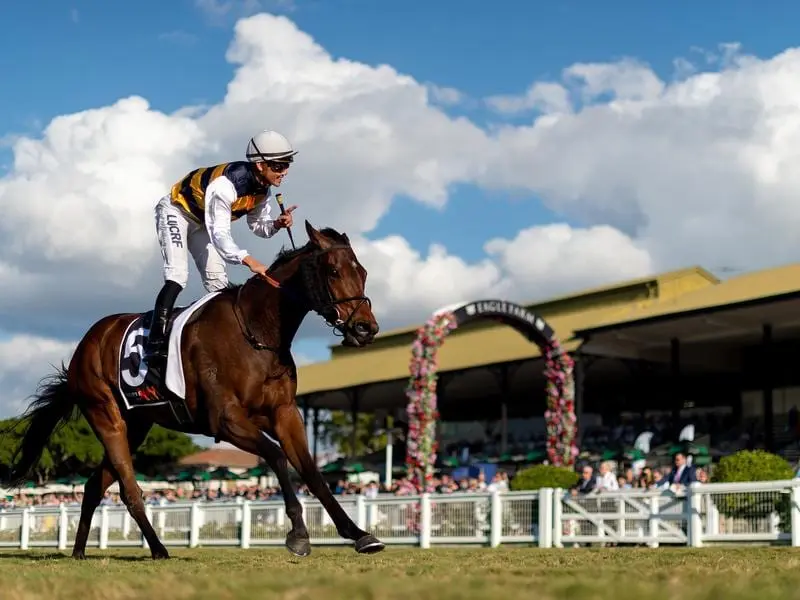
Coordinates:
156 346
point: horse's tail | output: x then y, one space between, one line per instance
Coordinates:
53 406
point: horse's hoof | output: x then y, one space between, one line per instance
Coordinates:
369 544
299 546
79 555
160 554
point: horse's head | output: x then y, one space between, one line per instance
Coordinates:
334 283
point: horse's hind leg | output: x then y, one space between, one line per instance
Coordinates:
109 426
96 487
93 491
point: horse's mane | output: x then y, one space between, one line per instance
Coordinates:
285 254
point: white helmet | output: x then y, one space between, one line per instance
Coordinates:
269 145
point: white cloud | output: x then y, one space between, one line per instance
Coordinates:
218 12
543 97
662 174
539 262
446 96
699 170
626 80
24 360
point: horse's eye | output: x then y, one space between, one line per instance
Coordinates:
334 271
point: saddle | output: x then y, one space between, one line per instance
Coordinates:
142 384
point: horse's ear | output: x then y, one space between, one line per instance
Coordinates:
316 237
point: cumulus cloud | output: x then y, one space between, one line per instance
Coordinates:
79 198
698 170
542 97
539 262
218 12
661 173
24 360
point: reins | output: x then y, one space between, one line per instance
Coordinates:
320 308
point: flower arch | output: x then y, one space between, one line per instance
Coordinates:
421 390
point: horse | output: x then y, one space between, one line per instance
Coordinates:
241 383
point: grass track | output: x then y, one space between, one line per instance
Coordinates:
408 574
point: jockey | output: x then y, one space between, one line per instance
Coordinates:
196 216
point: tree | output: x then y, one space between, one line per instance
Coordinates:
337 431
74 450
163 447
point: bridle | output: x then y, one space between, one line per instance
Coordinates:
316 297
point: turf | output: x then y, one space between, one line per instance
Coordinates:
408 574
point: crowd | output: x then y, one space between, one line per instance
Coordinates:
678 476
591 481
443 485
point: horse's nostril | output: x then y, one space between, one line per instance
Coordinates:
362 329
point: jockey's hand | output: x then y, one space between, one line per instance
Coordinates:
285 219
255 266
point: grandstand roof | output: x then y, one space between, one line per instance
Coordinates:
750 288
222 457
737 308
488 342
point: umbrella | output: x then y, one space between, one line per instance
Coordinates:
341 466
609 454
259 471
224 474
449 461
689 448
191 476
634 454
73 480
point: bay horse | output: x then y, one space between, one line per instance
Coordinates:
241 383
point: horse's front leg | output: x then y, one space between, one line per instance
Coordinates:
297 540
247 436
291 434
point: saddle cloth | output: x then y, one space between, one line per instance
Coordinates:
141 385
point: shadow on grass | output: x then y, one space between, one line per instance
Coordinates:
35 556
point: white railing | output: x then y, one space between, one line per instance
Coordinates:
708 513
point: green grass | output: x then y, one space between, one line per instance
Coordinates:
408 574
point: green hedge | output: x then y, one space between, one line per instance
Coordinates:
753 465
544 476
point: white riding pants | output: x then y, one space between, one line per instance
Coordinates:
179 236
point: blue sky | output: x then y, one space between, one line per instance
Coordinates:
69 56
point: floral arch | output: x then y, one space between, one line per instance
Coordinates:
421 390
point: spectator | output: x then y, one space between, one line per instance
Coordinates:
608 480
587 483
682 474
645 480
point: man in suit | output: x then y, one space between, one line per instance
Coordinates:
587 482
682 474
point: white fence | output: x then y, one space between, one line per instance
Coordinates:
708 513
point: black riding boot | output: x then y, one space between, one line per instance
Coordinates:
156 346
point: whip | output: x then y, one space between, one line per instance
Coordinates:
279 200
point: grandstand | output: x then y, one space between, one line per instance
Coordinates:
654 354
660 352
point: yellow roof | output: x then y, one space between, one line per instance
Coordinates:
743 288
668 284
487 342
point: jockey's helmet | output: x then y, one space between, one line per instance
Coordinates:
269 146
